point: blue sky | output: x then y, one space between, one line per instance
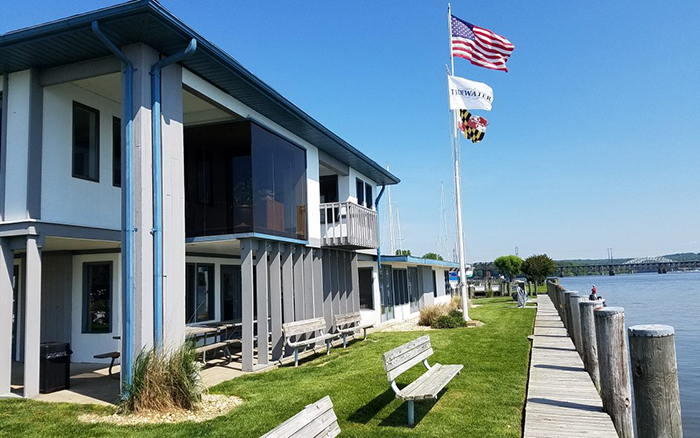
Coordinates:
593 138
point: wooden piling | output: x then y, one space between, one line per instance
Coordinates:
567 312
655 379
560 302
576 321
615 391
588 343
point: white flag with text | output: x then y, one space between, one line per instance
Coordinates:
470 95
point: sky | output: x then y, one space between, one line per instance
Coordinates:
592 141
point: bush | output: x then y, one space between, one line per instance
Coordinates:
455 313
165 381
448 321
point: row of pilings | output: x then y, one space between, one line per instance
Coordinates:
598 333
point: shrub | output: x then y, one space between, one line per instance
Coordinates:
455 313
165 381
447 321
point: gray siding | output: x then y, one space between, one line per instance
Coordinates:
56 293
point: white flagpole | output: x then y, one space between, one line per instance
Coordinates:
458 189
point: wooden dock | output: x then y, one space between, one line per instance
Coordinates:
561 398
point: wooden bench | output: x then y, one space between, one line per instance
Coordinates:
349 323
317 420
428 385
114 355
313 328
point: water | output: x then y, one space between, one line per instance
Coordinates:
672 299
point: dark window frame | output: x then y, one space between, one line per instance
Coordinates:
116 152
78 105
85 307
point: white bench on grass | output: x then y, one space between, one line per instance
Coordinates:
349 324
313 329
428 385
317 420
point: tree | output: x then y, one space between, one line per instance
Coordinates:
432 256
403 252
510 265
538 267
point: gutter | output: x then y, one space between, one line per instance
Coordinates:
128 196
157 231
379 243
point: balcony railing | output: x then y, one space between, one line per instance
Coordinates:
348 225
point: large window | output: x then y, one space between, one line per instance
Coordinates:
97 297
242 178
116 152
199 292
86 142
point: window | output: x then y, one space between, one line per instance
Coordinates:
328 188
368 196
366 289
97 297
242 178
116 152
434 274
360 191
199 292
400 286
86 142
231 293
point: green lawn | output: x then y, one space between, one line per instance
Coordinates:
485 400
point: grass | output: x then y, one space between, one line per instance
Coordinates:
486 400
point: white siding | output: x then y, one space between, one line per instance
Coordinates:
72 200
17 146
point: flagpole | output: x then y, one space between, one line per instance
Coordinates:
458 190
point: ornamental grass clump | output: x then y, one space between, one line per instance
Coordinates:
164 381
430 314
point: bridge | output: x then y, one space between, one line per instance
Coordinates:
661 265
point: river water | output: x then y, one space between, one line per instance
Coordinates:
672 299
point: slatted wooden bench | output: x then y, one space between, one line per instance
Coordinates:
317 420
428 385
223 346
313 329
114 355
349 324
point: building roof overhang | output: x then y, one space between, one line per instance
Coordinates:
71 40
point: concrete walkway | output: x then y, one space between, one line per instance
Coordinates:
561 398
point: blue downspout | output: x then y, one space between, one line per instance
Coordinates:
128 249
158 189
379 239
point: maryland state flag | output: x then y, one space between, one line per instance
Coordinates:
473 127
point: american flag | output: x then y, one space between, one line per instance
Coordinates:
481 46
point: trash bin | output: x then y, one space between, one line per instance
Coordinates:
54 366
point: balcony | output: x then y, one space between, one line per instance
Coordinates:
349 226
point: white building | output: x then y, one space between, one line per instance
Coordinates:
131 208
